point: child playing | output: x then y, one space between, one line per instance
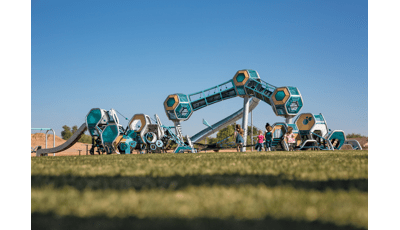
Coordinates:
268 138
239 139
289 137
260 144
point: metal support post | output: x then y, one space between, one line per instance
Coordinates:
288 120
251 130
245 120
54 139
178 130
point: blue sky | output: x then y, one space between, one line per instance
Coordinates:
130 55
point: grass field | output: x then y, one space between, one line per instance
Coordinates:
267 190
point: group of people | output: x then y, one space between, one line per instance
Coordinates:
264 139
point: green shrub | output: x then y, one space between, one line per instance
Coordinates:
67 133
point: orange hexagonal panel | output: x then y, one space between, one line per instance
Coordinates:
305 121
280 96
171 102
240 78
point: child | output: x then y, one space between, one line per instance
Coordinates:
239 139
268 138
260 144
289 136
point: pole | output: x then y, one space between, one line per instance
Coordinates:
54 141
206 143
54 138
245 120
178 130
252 130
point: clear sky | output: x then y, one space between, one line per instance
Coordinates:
130 55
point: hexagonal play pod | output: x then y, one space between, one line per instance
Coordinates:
286 101
177 107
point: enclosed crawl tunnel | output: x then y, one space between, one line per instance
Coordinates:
285 101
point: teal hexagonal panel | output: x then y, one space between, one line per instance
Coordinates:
240 77
280 110
110 133
339 136
183 97
93 117
183 110
294 104
279 95
171 102
293 90
252 73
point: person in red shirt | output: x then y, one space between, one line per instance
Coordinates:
260 142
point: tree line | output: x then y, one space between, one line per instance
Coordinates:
229 132
68 132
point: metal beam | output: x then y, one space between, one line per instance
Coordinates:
251 130
245 120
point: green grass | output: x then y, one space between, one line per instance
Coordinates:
281 190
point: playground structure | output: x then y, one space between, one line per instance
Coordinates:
311 132
143 135
35 149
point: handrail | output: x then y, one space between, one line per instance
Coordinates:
330 144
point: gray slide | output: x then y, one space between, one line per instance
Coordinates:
70 142
224 122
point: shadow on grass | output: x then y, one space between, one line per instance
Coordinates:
50 221
180 182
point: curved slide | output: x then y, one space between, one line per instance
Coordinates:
224 122
70 142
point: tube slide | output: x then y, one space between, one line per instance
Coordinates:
224 122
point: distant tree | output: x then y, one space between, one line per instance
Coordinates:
229 132
211 140
85 139
66 133
74 129
226 132
255 134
